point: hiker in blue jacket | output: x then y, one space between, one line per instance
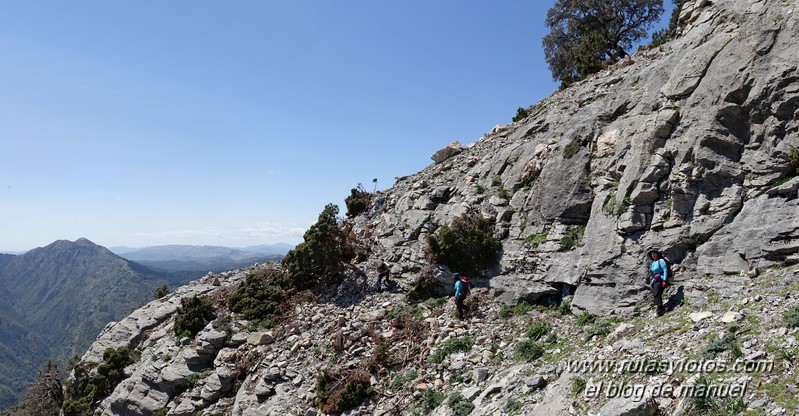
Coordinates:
660 276
460 295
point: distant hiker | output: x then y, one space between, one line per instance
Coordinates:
382 273
462 289
660 276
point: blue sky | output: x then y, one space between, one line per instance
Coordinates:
234 122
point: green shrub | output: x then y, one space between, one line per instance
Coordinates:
496 181
791 317
704 403
402 380
355 390
529 351
259 297
521 308
793 164
80 407
467 245
610 205
572 148
451 346
513 405
431 399
585 318
86 391
573 237
597 327
536 239
578 385
481 189
324 382
193 315
521 114
402 310
459 405
717 346
358 201
318 260
623 206
537 331
565 308
193 378
161 292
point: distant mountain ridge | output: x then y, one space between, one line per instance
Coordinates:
181 258
55 299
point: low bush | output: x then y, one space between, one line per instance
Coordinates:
403 380
572 148
791 317
451 346
573 237
358 201
598 327
402 310
86 391
430 400
459 405
161 292
259 297
521 308
704 403
529 351
728 342
565 308
537 331
585 318
467 245
535 240
578 385
521 114
193 315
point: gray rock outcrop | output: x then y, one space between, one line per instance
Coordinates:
679 147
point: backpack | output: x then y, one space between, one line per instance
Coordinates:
669 269
466 285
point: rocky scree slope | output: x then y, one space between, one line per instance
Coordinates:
690 147
419 359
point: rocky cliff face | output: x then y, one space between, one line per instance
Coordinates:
682 147
686 147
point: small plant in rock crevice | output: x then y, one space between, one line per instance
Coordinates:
791 317
451 346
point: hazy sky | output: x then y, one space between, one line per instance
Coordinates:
234 122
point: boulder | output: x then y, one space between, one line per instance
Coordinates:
452 149
260 338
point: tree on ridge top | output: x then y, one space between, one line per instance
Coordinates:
585 34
